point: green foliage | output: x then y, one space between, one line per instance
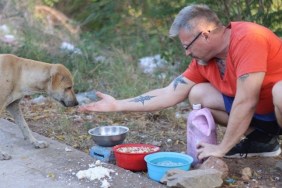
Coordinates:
267 13
119 76
124 31
50 3
141 27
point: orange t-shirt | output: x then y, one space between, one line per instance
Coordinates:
252 48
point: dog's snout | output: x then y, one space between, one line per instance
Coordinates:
75 103
69 99
69 103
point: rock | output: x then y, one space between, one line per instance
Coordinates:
39 100
200 178
278 166
169 140
100 58
174 171
216 163
245 178
152 63
157 143
246 173
68 47
86 97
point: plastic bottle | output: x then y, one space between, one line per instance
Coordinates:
200 128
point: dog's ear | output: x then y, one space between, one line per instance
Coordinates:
55 80
59 75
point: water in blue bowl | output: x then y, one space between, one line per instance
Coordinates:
160 162
169 163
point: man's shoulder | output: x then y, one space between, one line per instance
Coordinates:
243 28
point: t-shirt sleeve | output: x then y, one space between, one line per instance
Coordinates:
250 54
193 73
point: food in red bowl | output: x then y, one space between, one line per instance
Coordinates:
131 156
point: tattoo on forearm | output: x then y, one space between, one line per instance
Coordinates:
142 99
244 77
178 80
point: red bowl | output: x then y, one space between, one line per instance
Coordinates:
131 156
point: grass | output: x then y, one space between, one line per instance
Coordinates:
118 74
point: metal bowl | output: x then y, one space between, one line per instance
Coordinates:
108 136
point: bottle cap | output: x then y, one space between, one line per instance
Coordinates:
197 106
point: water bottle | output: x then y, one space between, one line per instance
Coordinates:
200 128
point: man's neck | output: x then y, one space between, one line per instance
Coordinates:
223 51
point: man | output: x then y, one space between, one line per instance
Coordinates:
236 72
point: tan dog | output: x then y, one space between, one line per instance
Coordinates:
20 77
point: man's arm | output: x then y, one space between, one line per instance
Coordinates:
243 109
157 99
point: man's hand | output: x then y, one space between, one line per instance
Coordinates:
206 150
106 104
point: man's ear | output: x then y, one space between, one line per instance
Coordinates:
206 34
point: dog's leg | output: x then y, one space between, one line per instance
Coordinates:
16 112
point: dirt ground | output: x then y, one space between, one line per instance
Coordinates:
68 126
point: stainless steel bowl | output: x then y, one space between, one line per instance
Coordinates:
108 136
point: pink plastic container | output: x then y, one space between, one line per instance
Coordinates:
200 128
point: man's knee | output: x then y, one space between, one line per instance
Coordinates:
198 92
276 94
206 95
277 101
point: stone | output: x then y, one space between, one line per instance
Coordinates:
157 143
246 173
200 178
216 163
278 166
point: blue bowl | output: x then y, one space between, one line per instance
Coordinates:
159 163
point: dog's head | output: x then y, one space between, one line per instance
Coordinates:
60 86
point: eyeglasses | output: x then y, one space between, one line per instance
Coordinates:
190 44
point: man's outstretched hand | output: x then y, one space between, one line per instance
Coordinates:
106 104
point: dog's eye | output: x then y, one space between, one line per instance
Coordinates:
68 88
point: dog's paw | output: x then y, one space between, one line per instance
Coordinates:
40 144
4 156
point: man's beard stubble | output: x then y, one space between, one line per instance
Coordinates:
202 62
